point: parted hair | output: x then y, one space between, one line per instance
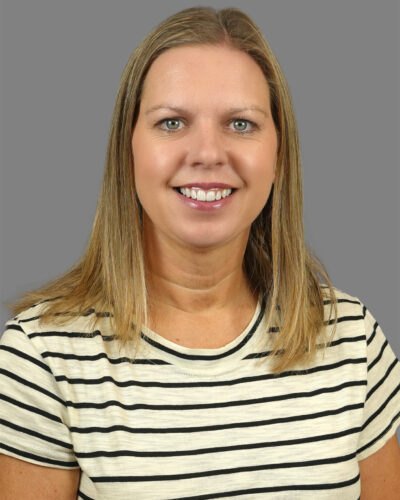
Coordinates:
109 277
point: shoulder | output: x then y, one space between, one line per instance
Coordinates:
52 334
31 319
348 301
354 324
350 309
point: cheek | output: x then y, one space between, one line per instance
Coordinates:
152 173
262 176
259 167
153 162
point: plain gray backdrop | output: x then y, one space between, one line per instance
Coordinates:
60 65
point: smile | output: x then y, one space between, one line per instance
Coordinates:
198 194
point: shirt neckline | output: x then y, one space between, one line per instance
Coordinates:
205 361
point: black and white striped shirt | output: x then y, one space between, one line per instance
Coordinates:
198 423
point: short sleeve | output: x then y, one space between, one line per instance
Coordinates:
381 414
33 416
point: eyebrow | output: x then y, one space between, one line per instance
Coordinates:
182 110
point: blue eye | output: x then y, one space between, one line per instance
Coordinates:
241 122
244 125
173 121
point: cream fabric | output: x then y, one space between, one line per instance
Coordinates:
197 423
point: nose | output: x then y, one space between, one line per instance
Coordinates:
206 146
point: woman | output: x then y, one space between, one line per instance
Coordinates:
194 351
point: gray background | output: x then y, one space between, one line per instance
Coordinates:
60 65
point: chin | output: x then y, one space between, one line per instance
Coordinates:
207 240
202 243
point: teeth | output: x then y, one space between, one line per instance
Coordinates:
201 195
210 196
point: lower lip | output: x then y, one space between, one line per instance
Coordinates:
205 206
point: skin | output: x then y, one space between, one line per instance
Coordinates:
194 260
21 480
380 473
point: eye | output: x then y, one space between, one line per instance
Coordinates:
243 125
170 123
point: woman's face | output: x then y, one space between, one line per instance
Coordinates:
204 146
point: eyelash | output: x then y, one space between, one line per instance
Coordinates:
243 132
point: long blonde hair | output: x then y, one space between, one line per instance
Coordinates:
110 275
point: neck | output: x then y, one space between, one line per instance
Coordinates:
195 281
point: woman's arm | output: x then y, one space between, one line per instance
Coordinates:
380 473
21 480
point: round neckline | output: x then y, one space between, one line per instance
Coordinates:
210 360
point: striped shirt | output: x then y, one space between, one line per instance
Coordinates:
193 423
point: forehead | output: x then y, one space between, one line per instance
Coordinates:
205 72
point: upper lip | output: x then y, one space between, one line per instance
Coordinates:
206 185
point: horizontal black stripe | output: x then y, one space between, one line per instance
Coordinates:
217 449
208 428
87 313
38 435
271 489
34 318
102 355
344 319
378 357
382 380
13 326
45 460
235 470
33 409
213 383
225 404
334 343
340 301
69 313
359 338
23 355
148 361
72 335
33 386
50 299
